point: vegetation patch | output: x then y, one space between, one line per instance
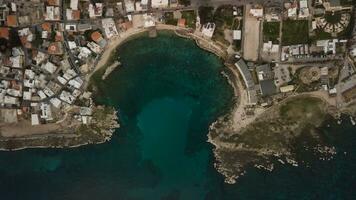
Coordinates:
347 2
271 32
169 19
295 32
332 17
302 109
184 2
206 14
272 135
321 35
190 17
223 19
223 16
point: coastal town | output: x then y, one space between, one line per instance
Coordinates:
275 50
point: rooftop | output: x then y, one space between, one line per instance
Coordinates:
11 20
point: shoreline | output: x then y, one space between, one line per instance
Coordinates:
70 136
47 140
226 139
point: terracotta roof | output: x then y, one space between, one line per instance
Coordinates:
4 32
58 37
76 14
11 20
52 48
46 26
55 48
53 2
23 40
96 36
127 25
181 22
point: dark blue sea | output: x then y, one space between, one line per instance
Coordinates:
168 92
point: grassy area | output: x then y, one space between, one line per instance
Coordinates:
223 19
236 24
271 32
223 16
332 17
276 130
321 35
190 17
302 109
169 19
206 14
237 44
184 2
295 32
347 2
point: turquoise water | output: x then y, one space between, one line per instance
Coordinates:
168 91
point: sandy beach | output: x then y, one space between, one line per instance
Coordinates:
124 36
112 45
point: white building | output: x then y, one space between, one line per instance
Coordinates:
76 83
10 100
94 47
40 57
129 6
69 74
49 67
62 80
327 45
16 61
46 112
95 10
27 95
256 12
269 47
34 120
159 3
52 13
72 45
55 102
236 35
292 12
208 29
148 21
109 27
303 9
74 4
67 97
84 53
41 94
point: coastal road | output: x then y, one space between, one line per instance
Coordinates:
216 3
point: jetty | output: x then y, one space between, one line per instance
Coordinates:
152 32
110 69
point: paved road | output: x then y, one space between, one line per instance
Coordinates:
216 3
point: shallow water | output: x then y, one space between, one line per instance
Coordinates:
168 91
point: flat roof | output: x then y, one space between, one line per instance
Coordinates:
246 74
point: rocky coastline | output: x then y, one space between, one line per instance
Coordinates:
104 123
102 126
272 136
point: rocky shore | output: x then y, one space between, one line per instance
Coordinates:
104 123
271 137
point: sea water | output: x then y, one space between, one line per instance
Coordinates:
168 92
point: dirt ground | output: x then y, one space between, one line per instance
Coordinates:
24 128
251 36
8 116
